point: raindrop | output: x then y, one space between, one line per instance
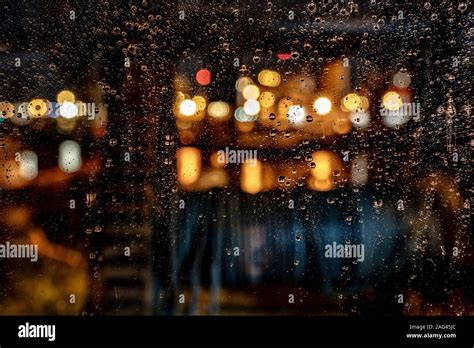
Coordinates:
378 203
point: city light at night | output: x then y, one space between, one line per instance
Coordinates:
309 160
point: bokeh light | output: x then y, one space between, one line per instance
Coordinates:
352 102
252 107
242 82
200 102
322 106
28 165
65 96
218 109
69 156
251 177
203 77
188 161
360 119
38 108
269 78
323 168
22 118
401 80
7 109
392 101
267 99
327 170
187 107
251 92
296 114
68 110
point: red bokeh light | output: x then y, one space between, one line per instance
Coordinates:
284 56
203 77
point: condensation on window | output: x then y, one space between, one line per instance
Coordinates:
229 158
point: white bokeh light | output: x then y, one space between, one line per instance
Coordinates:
187 107
28 165
252 107
360 119
69 156
296 114
68 110
322 105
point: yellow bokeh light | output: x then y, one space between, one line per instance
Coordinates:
200 103
322 170
188 161
38 107
392 101
269 78
187 107
327 171
322 106
218 109
251 92
251 177
65 96
267 99
7 109
352 102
